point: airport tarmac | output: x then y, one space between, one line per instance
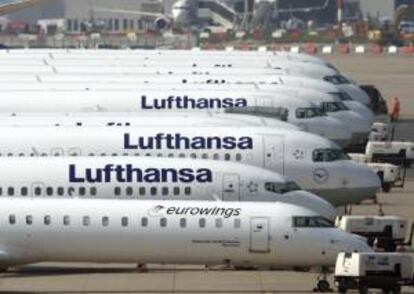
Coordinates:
394 75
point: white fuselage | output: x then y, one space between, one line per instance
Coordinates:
190 232
316 164
126 119
143 178
175 100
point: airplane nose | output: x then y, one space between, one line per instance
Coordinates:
360 127
360 182
331 128
313 202
356 93
345 242
338 131
361 109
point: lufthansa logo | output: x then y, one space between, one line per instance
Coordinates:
320 175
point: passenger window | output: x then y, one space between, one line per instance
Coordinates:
92 190
49 191
227 156
23 191
142 191
183 222
38 191
117 191
187 190
163 222
219 222
193 155
29 220
82 191
182 155
171 155
10 191
71 191
129 191
47 220
60 191
105 221
124 221
216 156
237 223
12 219
66 220
1 190
159 155
204 156
144 222
153 191
202 222
176 191
238 157
86 220
164 191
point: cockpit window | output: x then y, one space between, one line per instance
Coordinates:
309 112
281 188
343 96
328 155
311 222
333 106
337 80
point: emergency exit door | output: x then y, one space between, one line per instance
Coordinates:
259 234
231 187
274 153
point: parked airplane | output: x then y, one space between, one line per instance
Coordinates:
151 179
125 119
301 87
266 235
316 164
310 115
301 113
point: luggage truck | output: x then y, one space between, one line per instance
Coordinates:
398 153
382 132
383 232
362 271
389 174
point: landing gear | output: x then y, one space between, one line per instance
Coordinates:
323 285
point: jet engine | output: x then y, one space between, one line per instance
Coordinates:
162 22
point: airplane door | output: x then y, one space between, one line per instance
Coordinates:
56 152
38 189
259 234
274 155
231 187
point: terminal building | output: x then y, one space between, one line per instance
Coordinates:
119 16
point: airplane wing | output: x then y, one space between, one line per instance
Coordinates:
16 5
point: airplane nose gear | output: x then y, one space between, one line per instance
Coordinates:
322 284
